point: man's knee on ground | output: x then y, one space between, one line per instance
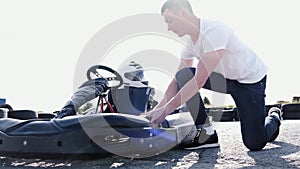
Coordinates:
254 144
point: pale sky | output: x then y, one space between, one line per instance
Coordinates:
41 41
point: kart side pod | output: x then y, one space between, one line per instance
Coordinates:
92 135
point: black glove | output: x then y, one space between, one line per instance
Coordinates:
66 111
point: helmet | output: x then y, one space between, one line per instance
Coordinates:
132 72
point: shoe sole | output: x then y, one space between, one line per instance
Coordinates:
213 145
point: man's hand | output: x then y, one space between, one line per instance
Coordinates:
157 116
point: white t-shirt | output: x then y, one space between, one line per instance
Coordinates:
238 62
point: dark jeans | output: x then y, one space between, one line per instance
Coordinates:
256 129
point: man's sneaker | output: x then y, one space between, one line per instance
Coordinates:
275 110
279 113
190 136
203 140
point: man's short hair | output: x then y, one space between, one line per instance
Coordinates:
175 5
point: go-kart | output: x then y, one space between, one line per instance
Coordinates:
26 133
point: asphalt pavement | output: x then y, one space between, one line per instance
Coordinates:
282 153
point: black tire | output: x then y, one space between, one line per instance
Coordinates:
221 115
291 108
268 107
227 115
215 114
3 113
291 115
22 114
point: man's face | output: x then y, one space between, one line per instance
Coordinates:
175 21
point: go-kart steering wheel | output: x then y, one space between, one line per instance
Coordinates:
94 69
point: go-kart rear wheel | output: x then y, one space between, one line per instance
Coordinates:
3 113
19 114
22 114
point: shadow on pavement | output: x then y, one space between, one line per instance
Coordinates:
282 156
172 159
208 158
205 158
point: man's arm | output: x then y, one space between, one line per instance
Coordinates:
173 88
205 66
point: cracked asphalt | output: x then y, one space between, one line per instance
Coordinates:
282 153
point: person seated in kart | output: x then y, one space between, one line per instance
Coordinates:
133 77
